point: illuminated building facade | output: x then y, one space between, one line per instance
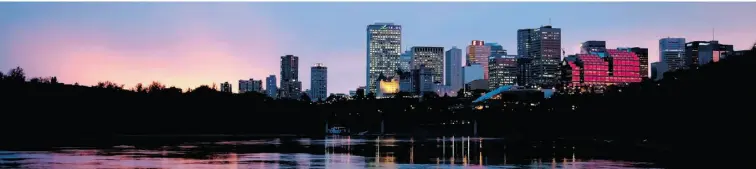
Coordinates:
405 61
624 67
318 82
384 41
619 67
671 52
642 54
387 87
250 85
545 48
270 86
291 87
478 53
502 71
524 71
432 58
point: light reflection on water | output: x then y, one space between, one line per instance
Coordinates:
332 152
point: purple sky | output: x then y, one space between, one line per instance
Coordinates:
189 44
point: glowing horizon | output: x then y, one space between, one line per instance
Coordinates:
191 44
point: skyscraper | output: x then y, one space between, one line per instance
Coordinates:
270 86
545 49
291 87
642 54
430 57
524 42
525 71
384 42
478 52
318 82
671 52
454 68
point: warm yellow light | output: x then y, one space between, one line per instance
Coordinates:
389 87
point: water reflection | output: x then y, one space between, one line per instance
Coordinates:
331 152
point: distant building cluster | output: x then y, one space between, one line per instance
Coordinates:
540 62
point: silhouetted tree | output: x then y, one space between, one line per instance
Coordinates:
370 96
54 80
2 76
155 87
16 75
359 94
109 85
139 88
305 97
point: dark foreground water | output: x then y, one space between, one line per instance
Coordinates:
291 152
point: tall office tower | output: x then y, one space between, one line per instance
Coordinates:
524 42
545 50
384 43
525 71
454 68
291 87
432 58
225 87
502 72
698 53
593 47
318 82
405 61
270 86
671 52
478 52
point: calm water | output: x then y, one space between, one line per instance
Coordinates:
282 152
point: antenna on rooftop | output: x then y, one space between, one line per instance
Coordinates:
549 21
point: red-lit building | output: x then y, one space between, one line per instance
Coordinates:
624 67
591 70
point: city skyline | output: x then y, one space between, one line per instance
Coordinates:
187 45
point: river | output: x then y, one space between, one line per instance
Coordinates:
295 152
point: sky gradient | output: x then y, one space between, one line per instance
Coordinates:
190 44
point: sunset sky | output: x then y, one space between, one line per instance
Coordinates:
190 44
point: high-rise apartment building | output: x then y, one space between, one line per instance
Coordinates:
432 58
478 53
270 86
384 42
672 52
545 48
318 82
250 85
225 87
291 87
453 68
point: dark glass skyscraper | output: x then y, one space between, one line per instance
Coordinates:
291 87
544 45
